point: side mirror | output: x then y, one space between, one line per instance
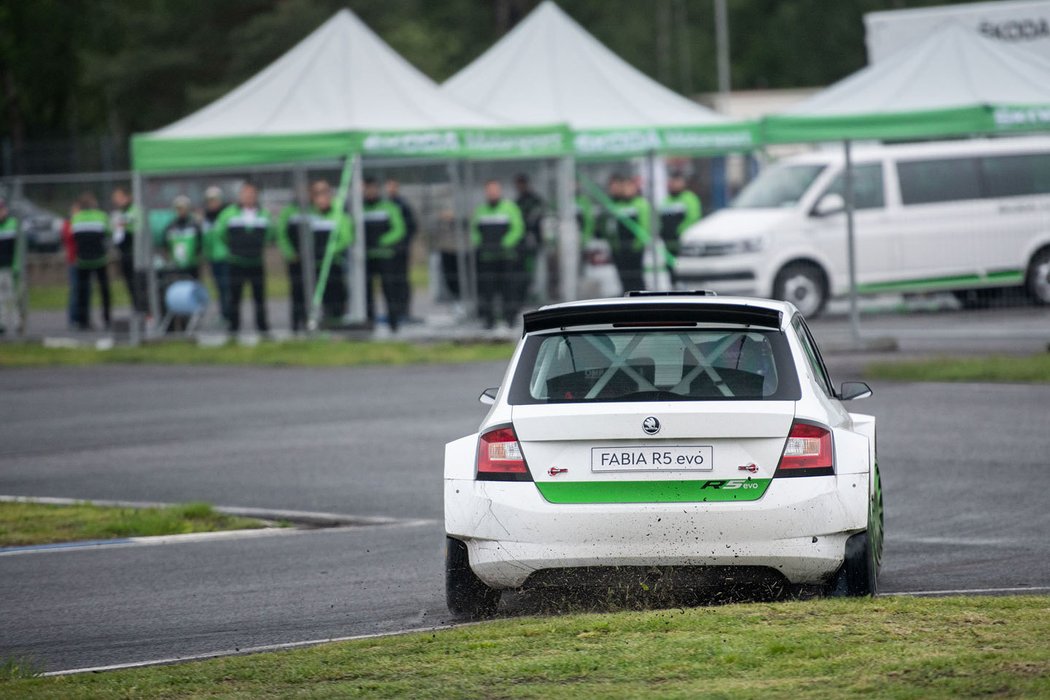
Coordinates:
488 397
831 203
851 391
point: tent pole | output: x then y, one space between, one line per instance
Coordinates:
472 267
306 244
459 217
359 285
851 247
568 231
654 222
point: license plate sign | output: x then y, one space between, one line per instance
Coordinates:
649 458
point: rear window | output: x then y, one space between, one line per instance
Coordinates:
1016 176
655 365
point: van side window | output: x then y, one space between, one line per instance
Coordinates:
946 180
1016 176
816 362
867 186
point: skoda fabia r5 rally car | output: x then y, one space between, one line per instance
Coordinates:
681 435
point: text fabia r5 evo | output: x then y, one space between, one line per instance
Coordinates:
682 434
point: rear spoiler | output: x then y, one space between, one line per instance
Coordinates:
655 312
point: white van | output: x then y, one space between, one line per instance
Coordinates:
971 217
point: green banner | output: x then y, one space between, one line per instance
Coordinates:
699 140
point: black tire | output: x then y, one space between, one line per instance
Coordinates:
804 285
465 593
1037 278
859 575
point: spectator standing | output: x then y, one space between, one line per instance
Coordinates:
384 236
498 231
584 217
123 220
290 225
184 240
241 234
679 211
214 254
393 193
70 247
631 234
91 236
11 262
531 207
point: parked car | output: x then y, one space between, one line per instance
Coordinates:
664 438
970 217
42 227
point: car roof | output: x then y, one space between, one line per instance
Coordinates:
661 307
925 149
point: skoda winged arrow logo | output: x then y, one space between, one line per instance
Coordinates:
651 425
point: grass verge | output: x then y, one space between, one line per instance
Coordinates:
304 353
37 523
996 368
886 648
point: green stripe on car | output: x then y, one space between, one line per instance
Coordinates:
992 279
693 491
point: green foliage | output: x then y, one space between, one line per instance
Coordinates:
884 648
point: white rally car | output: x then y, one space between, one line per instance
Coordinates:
682 435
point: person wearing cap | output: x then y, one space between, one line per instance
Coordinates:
123 219
680 210
629 232
12 256
91 236
384 236
240 236
184 240
497 231
332 234
220 267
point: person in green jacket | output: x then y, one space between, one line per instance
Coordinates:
91 237
184 240
11 259
584 218
240 236
385 235
497 231
678 212
332 234
628 232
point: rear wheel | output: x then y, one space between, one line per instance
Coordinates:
802 284
859 575
1037 281
465 593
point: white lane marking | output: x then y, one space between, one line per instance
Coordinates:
964 591
241 651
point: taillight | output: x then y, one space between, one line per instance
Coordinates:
500 457
808 451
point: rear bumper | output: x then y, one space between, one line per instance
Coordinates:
799 528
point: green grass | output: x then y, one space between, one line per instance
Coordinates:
1033 368
885 648
36 523
305 353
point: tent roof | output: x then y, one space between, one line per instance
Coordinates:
340 89
549 69
342 77
955 82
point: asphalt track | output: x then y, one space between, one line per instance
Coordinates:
964 466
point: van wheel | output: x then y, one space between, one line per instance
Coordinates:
465 593
803 285
1037 281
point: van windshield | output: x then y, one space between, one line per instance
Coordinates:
689 364
778 186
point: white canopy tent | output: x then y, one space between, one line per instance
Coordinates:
342 92
955 83
549 69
